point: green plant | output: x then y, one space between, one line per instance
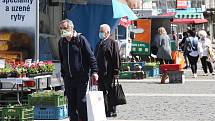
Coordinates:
33 69
7 69
49 66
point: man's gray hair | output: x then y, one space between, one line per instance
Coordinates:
68 21
106 26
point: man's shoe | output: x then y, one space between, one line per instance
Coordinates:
113 114
213 73
205 74
108 114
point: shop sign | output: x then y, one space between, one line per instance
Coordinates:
19 20
182 4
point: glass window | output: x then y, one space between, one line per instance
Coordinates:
121 32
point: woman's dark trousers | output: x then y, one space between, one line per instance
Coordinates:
206 64
193 63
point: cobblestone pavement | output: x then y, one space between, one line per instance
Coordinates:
148 100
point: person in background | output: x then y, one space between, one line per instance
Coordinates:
205 45
174 36
192 49
108 67
77 62
184 50
164 49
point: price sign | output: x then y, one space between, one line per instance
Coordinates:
18 81
2 63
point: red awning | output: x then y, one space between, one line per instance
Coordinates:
168 14
189 21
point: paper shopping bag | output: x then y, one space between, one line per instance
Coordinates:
95 106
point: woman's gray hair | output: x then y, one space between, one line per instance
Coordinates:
70 23
106 26
202 33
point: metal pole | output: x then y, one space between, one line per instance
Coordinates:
37 32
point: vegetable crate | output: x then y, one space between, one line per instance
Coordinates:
125 75
170 67
132 66
50 112
176 76
151 69
132 75
17 113
47 99
154 72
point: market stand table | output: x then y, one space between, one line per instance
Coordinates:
19 83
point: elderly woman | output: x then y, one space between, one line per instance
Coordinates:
164 49
205 45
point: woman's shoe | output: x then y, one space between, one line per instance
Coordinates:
194 75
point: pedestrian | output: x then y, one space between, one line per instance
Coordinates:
184 50
174 36
108 60
205 46
77 59
192 50
164 49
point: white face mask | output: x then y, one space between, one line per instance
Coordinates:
65 33
101 35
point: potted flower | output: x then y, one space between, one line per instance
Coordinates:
5 72
32 70
21 71
42 68
49 67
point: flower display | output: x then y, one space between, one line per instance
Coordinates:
20 68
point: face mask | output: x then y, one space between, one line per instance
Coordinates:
101 35
65 33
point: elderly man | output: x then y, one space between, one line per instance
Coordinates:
108 66
76 59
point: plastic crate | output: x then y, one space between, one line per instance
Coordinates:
150 66
18 113
154 72
134 64
138 75
125 75
170 67
50 112
46 100
176 76
126 66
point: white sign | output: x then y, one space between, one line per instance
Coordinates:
2 63
18 81
18 13
19 18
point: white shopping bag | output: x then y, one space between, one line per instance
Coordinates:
95 106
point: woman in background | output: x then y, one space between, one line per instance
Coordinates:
164 49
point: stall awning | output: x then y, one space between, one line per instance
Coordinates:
121 9
189 21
